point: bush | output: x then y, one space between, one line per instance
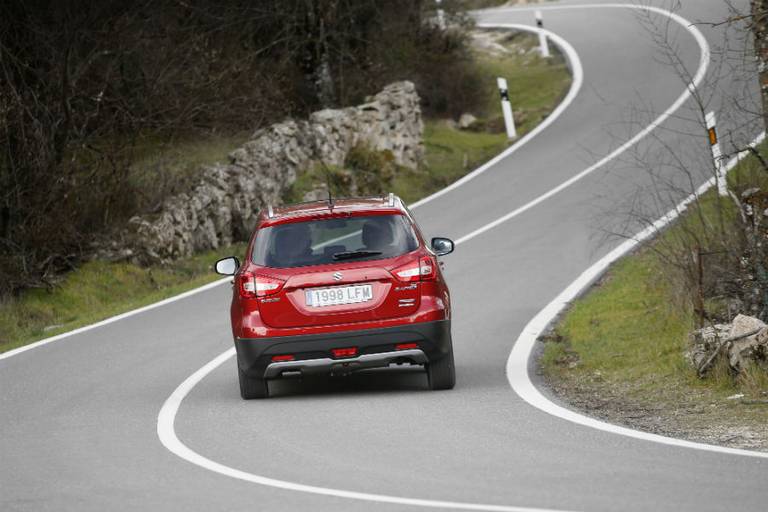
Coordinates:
372 171
366 172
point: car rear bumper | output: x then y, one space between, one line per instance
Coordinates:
345 365
375 348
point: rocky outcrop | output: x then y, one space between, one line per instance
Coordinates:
221 208
749 343
704 344
743 342
466 121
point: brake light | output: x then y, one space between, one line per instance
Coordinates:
344 352
252 285
422 270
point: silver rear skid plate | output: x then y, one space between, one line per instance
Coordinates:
347 365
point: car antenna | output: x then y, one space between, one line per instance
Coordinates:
328 184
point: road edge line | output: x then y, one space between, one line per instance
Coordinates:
167 435
517 368
166 419
577 79
167 415
573 63
701 72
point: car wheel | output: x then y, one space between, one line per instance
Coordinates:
441 373
250 387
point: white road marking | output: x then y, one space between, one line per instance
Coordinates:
576 81
517 363
519 379
167 435
166 419
697 79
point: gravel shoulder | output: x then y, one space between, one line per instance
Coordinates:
697 415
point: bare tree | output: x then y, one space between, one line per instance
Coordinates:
716 254
759 26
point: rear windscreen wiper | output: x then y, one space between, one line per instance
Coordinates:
348 255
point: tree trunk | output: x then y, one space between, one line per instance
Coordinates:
760 31
316 59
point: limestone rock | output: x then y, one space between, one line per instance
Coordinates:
318 193
466 120
753 348
740 350
743 324
222 206
702 343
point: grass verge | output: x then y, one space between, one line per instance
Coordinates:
98 290
536 86
618 351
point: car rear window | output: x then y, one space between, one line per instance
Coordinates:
318 242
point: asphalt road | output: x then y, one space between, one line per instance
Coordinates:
79 416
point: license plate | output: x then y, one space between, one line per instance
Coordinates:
338 295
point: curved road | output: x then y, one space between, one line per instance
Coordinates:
79 416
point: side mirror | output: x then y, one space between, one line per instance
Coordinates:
227 266
442 246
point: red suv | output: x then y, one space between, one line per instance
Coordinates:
338 286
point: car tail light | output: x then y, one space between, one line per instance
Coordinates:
252 285
344 352
283 357
424 269
406 346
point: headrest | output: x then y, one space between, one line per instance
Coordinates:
377 234
291 241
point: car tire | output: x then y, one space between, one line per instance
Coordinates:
251 388
441 373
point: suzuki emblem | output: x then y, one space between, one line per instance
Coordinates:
337 276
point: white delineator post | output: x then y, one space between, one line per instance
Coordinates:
440 16
717 155
543 44
506 108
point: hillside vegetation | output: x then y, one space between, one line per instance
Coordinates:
100 289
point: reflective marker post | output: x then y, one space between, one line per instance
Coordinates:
506 108
543 44
717 156
440 16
